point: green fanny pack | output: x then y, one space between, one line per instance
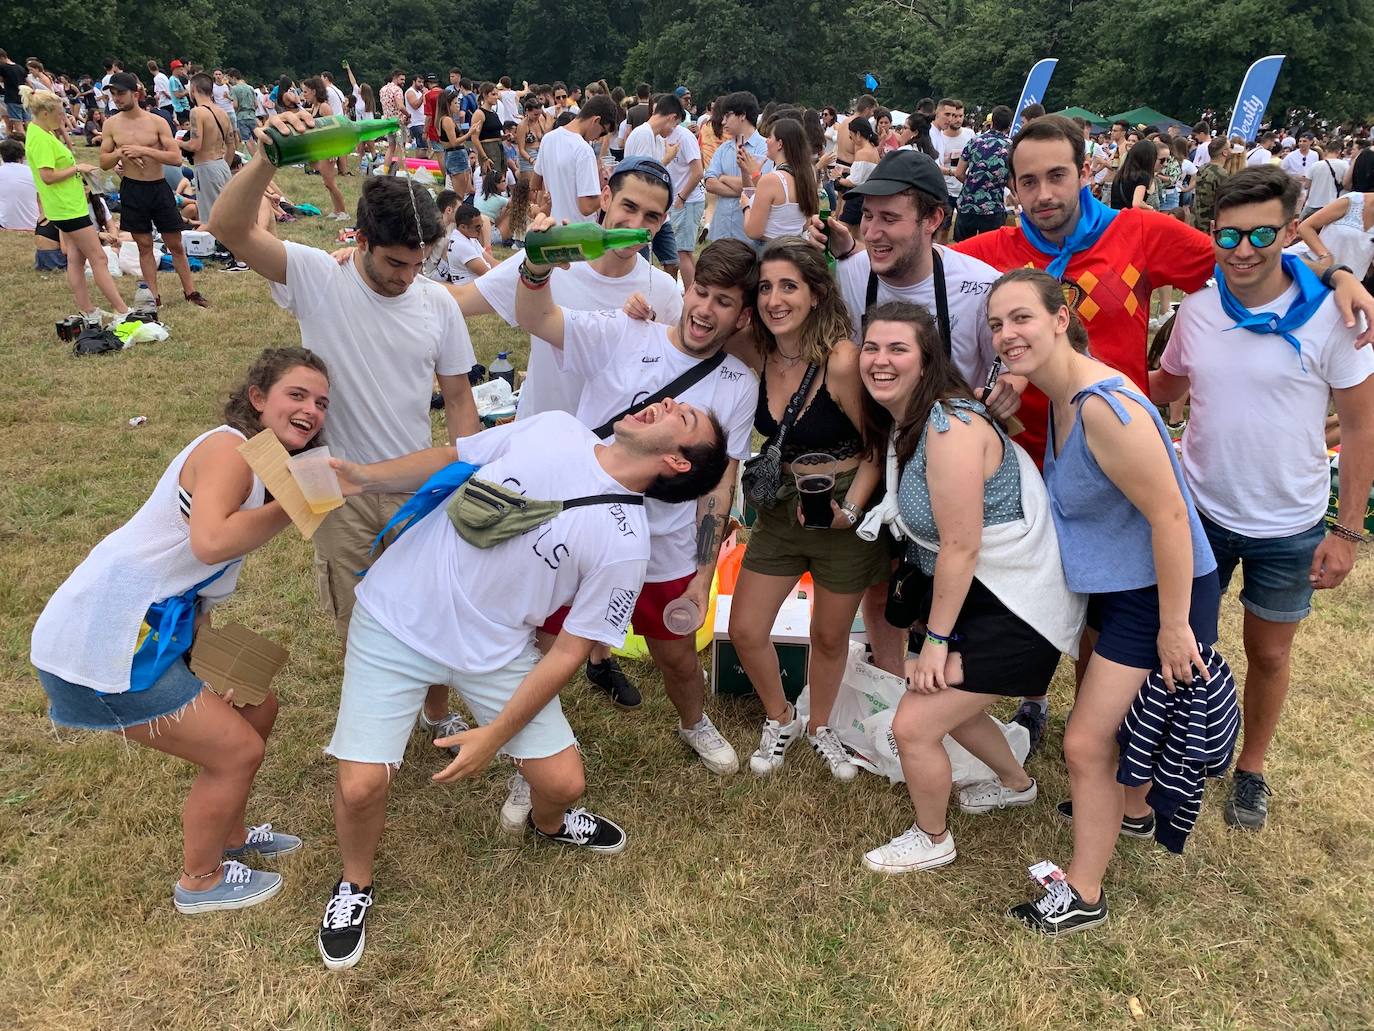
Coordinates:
485 514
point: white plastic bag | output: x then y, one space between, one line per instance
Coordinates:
148 333
111 262
128 258
965 768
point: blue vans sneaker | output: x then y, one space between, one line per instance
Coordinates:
446 726
239 888
264 841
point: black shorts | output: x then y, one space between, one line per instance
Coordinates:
144 204
1001 652
1127 622
47 230
71 225
852 208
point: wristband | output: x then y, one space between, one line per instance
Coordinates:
935 638
1345 533
1330 273
534 280
851 512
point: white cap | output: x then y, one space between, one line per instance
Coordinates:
1289 142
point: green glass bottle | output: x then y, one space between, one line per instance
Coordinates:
825 227
581 241
331 137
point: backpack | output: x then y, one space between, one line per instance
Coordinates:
94 340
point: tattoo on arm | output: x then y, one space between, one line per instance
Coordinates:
708 534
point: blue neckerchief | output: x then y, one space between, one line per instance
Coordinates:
425 500
172 625
1311 294
1093 219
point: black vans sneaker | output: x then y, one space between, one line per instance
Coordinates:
1131 826
585 830
609 677
1061 910
343 931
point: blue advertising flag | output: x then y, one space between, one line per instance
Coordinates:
1033 92
1254 97
870 81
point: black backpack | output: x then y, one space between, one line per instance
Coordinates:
94 340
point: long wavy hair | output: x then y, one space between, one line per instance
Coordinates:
939 382
271 366
796 152
828 322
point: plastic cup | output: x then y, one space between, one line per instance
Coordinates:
312 473
682 616
746 196
815 476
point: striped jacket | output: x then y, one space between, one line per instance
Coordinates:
1177 740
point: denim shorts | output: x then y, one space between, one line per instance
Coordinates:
17 112
1275 569
663 246
1127 622
418 137
686 223
384 686
83 708
246 127
456 161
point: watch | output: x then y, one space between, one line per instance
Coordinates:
851 511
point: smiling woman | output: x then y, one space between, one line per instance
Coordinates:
112 644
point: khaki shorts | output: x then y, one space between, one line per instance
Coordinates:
341 546
839 561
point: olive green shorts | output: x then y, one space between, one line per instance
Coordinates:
839 561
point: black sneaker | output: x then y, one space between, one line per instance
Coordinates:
609 677
343 931
585 830
1030 716
1131 826
1248 806
1061 910
236 266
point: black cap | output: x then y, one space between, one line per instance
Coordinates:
904 170
431 77
123 81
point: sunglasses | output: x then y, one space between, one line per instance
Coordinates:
1228 239
560 96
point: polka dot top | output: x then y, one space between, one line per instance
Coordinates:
1001 492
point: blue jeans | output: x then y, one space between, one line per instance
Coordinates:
1275 569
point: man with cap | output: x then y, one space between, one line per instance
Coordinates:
904 207
181 94
139 143
685 95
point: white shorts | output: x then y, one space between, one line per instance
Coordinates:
686 222
384 687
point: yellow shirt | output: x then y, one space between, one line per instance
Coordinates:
63 200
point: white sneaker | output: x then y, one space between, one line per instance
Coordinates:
911 850
96 318
704 739
516 809
990 795
831 749
777 738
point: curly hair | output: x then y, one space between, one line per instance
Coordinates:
271 366
828 323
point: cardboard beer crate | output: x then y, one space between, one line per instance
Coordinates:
1333 505
791 639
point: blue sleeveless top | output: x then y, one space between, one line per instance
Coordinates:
1001 490
1104 540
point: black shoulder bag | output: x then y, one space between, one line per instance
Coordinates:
762 475
690 378
941 301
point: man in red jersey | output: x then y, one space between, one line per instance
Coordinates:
1109 261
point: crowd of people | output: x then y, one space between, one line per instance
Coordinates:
1005 490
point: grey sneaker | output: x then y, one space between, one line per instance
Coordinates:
239 888
716 753
447 726
1248 806
264 841
516 808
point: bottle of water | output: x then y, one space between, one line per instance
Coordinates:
502 369
143 297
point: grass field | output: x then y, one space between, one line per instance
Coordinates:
739 904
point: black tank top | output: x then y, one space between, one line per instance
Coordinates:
822 425
491 127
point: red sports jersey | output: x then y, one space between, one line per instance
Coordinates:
432 114
1109 286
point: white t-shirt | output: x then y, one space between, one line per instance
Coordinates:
461 250
162 90
1254 453
1299 164
688 150
949 148
581 287
1326 177
569 170
624 361
1201 155
644 142
383 352
1258 156
967 281
476 609
508 106
220 92
337 103
18 196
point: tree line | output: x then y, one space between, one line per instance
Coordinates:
1179 56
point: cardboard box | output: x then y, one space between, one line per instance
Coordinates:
791 639
232 656
1333 504
198 244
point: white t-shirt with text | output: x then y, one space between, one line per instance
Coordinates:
950 148
1254 452
624 361
580 286
474 609
461 250
382 352
569 170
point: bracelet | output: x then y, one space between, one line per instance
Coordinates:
935 638
534 280
1345 533
200 876
1330 273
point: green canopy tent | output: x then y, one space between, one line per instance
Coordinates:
1147 116
1084 113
